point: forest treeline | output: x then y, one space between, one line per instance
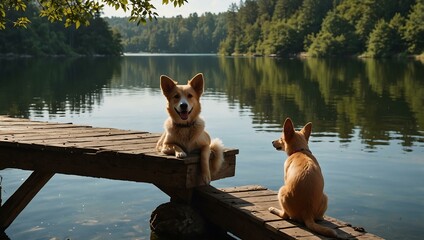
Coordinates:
194 34
42 37
375 28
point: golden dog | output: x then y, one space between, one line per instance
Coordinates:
302 197
185 129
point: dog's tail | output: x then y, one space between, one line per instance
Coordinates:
325 231
217 156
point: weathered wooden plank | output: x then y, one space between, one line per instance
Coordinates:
43 147
46 130
49 126
300 233
20 199
297 230
134 148
16 122
260 207
118 137
248 194
233 197
54 137
247 188
344 230
26 125
122 144
278 224
145 151
86 129
13 136
264 198
79 142
258 213
63 145
249 201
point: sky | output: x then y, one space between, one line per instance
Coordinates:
198 6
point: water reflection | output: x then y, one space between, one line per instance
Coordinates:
144 71
383 99
53 85
379 100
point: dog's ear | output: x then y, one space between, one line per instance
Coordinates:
288 129
167 84
306 130
197 83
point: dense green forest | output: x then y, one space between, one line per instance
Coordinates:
194 34
42 37
375 28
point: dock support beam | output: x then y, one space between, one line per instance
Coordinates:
181 195
21 198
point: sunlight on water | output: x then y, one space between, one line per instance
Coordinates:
368 140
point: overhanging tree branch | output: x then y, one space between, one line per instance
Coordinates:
77 12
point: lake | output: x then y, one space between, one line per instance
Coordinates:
368 134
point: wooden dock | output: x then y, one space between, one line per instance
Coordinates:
47 148
243 211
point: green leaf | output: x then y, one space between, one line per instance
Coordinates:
21 22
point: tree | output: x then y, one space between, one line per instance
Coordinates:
381 39
44 38
376 27
77 11
266 9
248 13
233 30
285 8
414 29
336 37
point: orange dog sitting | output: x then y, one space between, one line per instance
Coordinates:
302 197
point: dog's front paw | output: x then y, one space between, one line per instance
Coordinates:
180 154
167 150
278 212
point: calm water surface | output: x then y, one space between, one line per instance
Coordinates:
368 134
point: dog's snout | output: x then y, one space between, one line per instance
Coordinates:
183 106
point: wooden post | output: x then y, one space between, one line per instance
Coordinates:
21 198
